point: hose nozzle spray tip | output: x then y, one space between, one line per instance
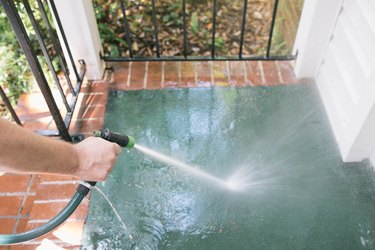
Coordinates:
131 142
125 141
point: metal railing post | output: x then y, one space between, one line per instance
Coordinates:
154 22
213 29
184 28
62 33
45 52
25 43
274 14
56 45
244 13
127 29
9 106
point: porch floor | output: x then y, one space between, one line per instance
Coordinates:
274 142
27 201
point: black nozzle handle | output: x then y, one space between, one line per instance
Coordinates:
125 141
121 140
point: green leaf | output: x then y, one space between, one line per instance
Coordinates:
165 18
194 23
114 51
219 42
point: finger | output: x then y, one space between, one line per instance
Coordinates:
117 149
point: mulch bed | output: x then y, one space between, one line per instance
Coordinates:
170 26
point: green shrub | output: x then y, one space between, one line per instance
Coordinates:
15 74
16 77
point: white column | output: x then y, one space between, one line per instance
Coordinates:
81 30
314 32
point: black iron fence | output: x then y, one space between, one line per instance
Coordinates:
128 36
47 11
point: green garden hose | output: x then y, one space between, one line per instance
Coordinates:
7 239
81 192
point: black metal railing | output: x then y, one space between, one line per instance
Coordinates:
46 10
186 55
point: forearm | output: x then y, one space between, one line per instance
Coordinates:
24 151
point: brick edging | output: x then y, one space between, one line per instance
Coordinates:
186 74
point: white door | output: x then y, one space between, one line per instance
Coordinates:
340 56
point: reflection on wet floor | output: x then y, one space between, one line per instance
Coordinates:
300 194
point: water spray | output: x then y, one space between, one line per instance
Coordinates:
129 142
227 185
84 188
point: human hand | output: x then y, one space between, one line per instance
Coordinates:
95 158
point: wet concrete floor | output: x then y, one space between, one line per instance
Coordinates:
277 140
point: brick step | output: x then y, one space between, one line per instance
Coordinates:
156 75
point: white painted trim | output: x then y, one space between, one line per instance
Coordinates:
318 19
372 159
362 130
81 30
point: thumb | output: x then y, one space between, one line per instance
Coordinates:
117 149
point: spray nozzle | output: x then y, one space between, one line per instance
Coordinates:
125 141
